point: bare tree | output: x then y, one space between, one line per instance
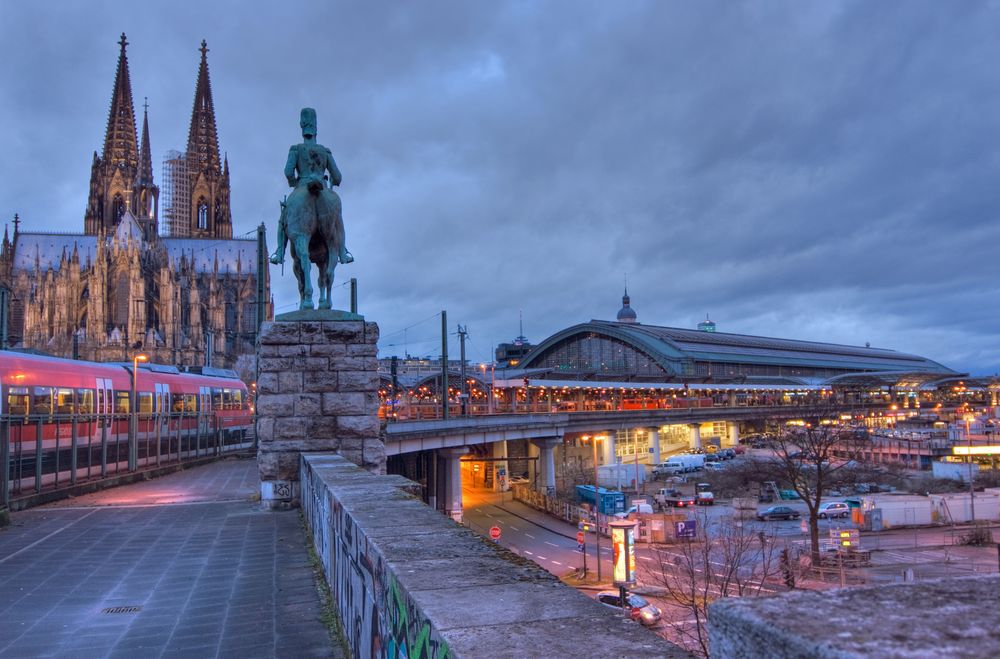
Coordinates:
725 559
811 460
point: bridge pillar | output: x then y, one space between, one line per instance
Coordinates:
608 448
317 391
452 481
548 462
695 435
501 472
654 443
734 433
533 465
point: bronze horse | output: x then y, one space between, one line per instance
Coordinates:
311 217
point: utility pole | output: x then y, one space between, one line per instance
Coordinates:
444 364
262 272
464 396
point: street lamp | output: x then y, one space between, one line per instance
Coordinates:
133 453
597 511
489 398
972 489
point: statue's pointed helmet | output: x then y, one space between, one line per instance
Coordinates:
307 120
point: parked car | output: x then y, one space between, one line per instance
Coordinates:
728 453
639 608
778 512
834 509
714 466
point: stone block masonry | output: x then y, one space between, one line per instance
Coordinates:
940 618
408 581
317 391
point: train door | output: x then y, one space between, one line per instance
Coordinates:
161 411
105 411
204 410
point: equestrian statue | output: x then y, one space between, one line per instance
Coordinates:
311 216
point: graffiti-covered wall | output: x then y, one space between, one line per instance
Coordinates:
409 582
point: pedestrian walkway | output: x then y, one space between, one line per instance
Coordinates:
186 565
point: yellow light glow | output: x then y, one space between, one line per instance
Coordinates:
976 450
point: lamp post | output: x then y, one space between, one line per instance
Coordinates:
133 451
972 489
489 398
597 513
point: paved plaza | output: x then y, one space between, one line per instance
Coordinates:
186 565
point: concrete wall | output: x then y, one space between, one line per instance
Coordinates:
943 618
410 582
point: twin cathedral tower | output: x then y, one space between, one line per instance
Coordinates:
167 279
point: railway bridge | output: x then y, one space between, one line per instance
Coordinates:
432 451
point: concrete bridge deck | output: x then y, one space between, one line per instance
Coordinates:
195 568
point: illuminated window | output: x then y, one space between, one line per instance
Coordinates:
202 214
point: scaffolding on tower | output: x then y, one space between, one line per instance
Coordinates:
176 196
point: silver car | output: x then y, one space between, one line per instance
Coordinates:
639 608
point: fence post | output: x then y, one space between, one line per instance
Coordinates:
5 460
104 446
38 455
73 439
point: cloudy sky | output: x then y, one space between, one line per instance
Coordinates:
826 171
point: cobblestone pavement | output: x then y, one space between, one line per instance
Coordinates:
186 565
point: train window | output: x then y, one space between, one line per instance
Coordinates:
145 402
85 401
227 399
64 401
41 400
217 402
190 403
237 399
17 401
121 402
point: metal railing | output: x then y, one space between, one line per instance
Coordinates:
52 452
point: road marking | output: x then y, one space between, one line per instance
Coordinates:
556 563
528 552
551 543
41 540
645 558
541 558
513 527
530 536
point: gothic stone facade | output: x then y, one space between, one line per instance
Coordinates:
121 287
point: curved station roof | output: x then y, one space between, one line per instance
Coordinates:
632 352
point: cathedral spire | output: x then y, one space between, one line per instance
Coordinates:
203 138
145 176
119 140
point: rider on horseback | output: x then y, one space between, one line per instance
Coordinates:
311 162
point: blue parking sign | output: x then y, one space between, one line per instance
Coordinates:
686 529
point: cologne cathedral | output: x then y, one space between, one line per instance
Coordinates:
184 293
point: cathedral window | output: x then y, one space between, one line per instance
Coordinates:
202 214
117 207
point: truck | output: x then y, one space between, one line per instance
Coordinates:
686 461
704 496
668 497
667 469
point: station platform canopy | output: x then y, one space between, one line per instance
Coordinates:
618 352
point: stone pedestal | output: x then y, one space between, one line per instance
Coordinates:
317 392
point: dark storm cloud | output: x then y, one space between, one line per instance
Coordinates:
825 171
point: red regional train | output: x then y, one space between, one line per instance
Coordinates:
51 403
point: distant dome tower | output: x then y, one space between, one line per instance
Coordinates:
626 314
706 325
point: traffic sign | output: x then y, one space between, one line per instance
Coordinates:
580 537
495 532
686 529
